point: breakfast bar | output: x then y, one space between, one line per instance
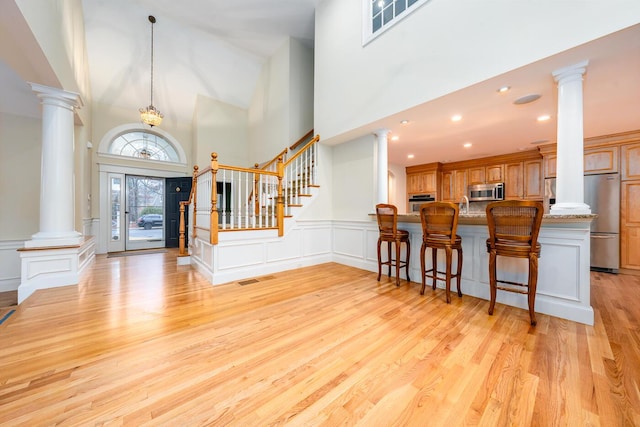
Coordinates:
563 276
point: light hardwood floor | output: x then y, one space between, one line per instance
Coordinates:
142 341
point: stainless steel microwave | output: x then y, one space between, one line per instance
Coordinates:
486 192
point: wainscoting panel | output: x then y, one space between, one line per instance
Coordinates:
10 264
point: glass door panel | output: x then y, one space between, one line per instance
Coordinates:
145 212
116 218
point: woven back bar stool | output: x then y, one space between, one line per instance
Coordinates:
388 226
439 227
513 232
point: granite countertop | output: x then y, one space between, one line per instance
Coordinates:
481 218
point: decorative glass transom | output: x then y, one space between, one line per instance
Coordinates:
144 145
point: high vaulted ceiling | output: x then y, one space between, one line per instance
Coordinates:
217 48
213 48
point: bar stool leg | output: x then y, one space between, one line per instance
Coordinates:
423 267
449 254
379 260
492 280
397 243
459 273
533 283
389 259
406 265
434 264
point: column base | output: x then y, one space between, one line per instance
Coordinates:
570 209
45 239
44 268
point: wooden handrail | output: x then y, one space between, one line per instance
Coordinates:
246 170
301 140
299 153
275 159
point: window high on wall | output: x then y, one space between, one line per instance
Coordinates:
379 15
144 145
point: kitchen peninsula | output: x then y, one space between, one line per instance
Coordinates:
563 276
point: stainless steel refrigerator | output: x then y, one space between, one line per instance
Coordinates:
602 194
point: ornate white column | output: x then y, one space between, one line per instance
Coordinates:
56 188
570 151
382 191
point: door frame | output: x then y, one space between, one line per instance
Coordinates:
104 228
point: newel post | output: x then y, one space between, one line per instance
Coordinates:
194 199
213 226
280 207
181 245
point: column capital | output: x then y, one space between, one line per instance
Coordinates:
570 72
381 132
58 97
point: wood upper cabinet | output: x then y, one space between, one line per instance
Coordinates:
423 178
447 186
630 161
494 173
422 182
550 165
485 174
630 225
476 175
513 187
459 184
533 181
600 160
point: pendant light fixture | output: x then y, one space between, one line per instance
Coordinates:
150 115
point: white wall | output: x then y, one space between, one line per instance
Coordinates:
20 155
398 187
353 189
220 128
269 112
281 110
442 47
300 90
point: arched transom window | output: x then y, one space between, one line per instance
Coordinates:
144 145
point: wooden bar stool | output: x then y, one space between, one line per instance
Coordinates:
513 232
439 226
388 226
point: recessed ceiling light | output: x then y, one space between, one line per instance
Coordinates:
527 99
410 156
504 89
544 118
467 145
456 118
404 122
395 138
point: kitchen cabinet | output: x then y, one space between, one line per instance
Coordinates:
600 160
459 184
447 186
550 165
533 182
630 161
596 160
485 174
423 179
513 187
630 225
476 175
